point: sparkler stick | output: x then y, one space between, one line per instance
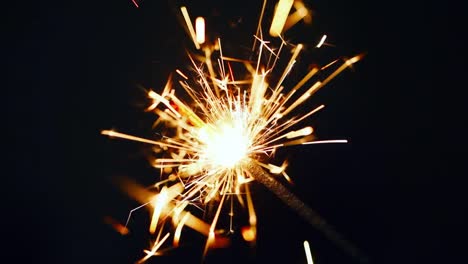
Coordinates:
303 210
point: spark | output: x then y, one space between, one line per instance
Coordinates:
200 30
121 229
135 3
326 141
182 74
221 139
279 19
178 230
258 32
301 13
184 11
322 40
308 253
155 248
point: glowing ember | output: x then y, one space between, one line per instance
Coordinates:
308 253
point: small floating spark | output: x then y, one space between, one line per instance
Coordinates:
322 40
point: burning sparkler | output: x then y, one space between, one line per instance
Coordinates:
222 140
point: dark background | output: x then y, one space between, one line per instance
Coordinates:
75 68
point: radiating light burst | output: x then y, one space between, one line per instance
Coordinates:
233 121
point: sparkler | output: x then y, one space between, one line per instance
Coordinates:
222 139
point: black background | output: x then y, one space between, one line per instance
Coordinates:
75 68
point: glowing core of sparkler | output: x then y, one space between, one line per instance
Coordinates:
225 145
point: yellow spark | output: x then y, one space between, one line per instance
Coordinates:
251 234
197 224
181 74
178 230
248 234
326 141
300 133
258 32
154 249
322 40
190 26
226 126
279 19
200 29
211 234
111 133
300 13
159 203
308 253
328 65
347 63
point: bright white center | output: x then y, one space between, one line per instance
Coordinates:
226 145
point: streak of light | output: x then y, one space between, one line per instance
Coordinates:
300 13
322 40
121 229
178 230
154 249
326 141
308 253
190 26
279 19
181 74
200 30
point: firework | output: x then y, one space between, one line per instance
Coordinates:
222 139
